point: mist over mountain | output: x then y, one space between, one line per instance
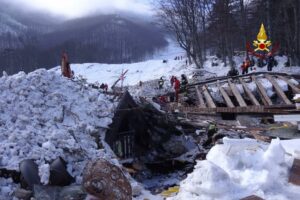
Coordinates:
33 40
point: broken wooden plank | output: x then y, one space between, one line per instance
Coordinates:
226 97
210 102
295 173
252 197
237 94
249 93
278 89
261 90
295 89
200 97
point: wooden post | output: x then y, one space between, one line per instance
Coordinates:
226 97
295 89
210 102
237 94
200 97
263 94
249 93
278 90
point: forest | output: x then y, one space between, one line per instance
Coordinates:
27 45
224 27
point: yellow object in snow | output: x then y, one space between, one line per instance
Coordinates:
170 191
262 43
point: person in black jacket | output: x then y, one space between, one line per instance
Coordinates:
271 62
161 83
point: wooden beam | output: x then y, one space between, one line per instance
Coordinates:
200 97
264 110
278 90
237 94
263 94
210 102
249 93
287 118
226 97
295 89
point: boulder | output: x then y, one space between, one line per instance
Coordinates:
106 181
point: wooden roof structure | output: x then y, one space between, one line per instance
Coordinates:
129 128
248 102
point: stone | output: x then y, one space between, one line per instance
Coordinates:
23 194
106 181
59 193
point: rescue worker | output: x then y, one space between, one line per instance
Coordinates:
172 80
184 83
271 62
161 83
212 129
233 72
104 87
244 67
65 66
177 88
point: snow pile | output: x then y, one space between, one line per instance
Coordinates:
44 116
241 168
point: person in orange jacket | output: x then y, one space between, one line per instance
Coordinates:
65 66
244 67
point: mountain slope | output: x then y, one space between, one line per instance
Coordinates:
28 43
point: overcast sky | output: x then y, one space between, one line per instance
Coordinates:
77 8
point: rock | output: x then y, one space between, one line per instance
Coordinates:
175 147
59 193
72 193
29 174
23 194
59 176
46 192
106 181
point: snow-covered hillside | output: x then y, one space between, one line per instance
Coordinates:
143 71
154 69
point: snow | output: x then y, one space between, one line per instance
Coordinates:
170 52
144 71
221 70
44 116
240 168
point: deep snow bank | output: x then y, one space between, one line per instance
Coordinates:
241 168
43 116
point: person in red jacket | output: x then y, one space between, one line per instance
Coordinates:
176 87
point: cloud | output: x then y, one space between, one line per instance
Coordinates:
77 8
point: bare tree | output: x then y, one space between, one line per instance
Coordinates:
187 19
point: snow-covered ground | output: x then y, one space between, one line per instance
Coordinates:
44 116
221 70
154 69
241 168
143 71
